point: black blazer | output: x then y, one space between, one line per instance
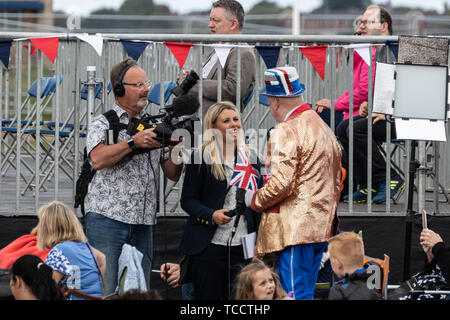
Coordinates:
203 194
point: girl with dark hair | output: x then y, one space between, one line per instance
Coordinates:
31 279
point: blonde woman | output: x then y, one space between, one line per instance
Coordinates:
207 197
77 267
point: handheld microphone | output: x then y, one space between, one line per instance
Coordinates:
240 204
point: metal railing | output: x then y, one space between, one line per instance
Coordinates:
413 22
41 161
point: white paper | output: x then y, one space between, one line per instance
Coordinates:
448 93
248 245
384 89
420 129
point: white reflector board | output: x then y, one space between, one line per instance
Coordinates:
420 92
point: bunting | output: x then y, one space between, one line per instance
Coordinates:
95 42
270 55
222 53
5 49
362 49
48 46
134 49
180 51
32 50
317 56
393 46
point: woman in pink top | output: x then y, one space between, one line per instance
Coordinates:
342 104
360 88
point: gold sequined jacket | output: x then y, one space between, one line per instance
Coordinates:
305 185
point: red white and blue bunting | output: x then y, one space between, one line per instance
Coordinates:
134 48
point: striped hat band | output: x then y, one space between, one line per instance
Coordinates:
282 82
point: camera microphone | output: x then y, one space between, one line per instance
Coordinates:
182 105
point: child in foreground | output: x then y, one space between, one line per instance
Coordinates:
257 281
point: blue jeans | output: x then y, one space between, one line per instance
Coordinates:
187 291
108 236
298 267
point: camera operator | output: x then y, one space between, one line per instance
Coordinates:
121 201
226 17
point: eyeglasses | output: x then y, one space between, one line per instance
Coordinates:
366 22
139 85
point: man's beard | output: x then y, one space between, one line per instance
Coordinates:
142 104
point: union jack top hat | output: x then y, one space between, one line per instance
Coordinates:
282 82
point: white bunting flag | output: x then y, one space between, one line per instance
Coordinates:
362 49
95 41
222 52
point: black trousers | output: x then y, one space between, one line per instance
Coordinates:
210 272
360 149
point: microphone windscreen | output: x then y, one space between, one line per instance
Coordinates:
185 105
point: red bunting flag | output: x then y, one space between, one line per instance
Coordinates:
317 56
180 51
48 46
32 50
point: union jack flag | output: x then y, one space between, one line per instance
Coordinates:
244 175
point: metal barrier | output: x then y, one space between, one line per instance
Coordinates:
42 145
412 22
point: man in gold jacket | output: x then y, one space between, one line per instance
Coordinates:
299 202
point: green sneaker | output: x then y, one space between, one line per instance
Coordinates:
396 185
359 196
381 193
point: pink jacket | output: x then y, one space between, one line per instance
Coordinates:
360 86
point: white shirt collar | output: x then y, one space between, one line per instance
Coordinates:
290 112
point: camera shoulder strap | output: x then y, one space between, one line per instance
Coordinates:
114 124
87 172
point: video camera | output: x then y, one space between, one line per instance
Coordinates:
167 121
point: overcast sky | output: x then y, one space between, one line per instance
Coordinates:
84 7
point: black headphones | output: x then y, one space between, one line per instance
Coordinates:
119 89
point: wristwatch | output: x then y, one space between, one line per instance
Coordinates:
131 144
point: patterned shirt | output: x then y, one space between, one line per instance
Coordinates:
433 280
76 263
126 191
